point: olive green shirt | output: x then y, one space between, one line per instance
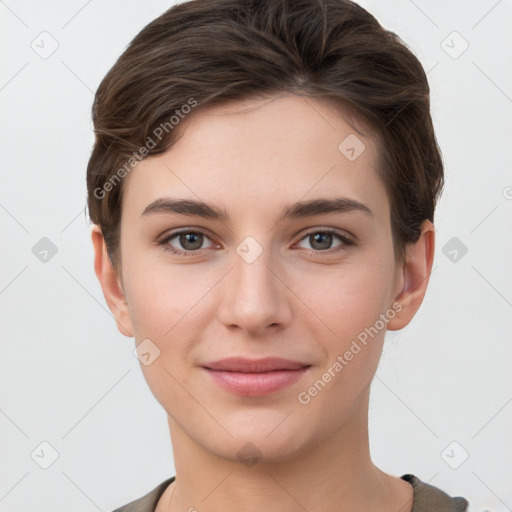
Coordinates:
427 498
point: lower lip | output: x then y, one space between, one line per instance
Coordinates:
256 384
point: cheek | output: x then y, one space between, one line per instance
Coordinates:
166 308
347 306
349 299
341 301
164 299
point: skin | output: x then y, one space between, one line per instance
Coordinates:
294 301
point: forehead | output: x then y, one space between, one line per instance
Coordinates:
263 152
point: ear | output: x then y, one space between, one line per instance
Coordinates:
110 283
415 277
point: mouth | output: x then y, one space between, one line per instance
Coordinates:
253 378
244 365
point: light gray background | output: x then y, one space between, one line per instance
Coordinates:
68 378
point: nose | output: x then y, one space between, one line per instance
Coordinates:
255 300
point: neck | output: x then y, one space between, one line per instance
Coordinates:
335 473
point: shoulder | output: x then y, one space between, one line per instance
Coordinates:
428 498
148 502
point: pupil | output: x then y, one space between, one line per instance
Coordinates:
322 237
193 238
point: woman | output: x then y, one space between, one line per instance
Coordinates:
262 188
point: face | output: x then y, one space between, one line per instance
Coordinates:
258 283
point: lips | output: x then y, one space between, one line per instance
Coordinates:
244 365
255 377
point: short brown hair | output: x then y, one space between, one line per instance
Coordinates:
204 53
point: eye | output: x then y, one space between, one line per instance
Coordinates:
189 242
321 240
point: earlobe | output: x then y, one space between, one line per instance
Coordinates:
416 274
110 283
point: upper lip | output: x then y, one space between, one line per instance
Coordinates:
244 365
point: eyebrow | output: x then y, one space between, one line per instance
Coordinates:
296 210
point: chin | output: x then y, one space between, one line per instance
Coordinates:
270 440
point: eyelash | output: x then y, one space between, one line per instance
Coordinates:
346 242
